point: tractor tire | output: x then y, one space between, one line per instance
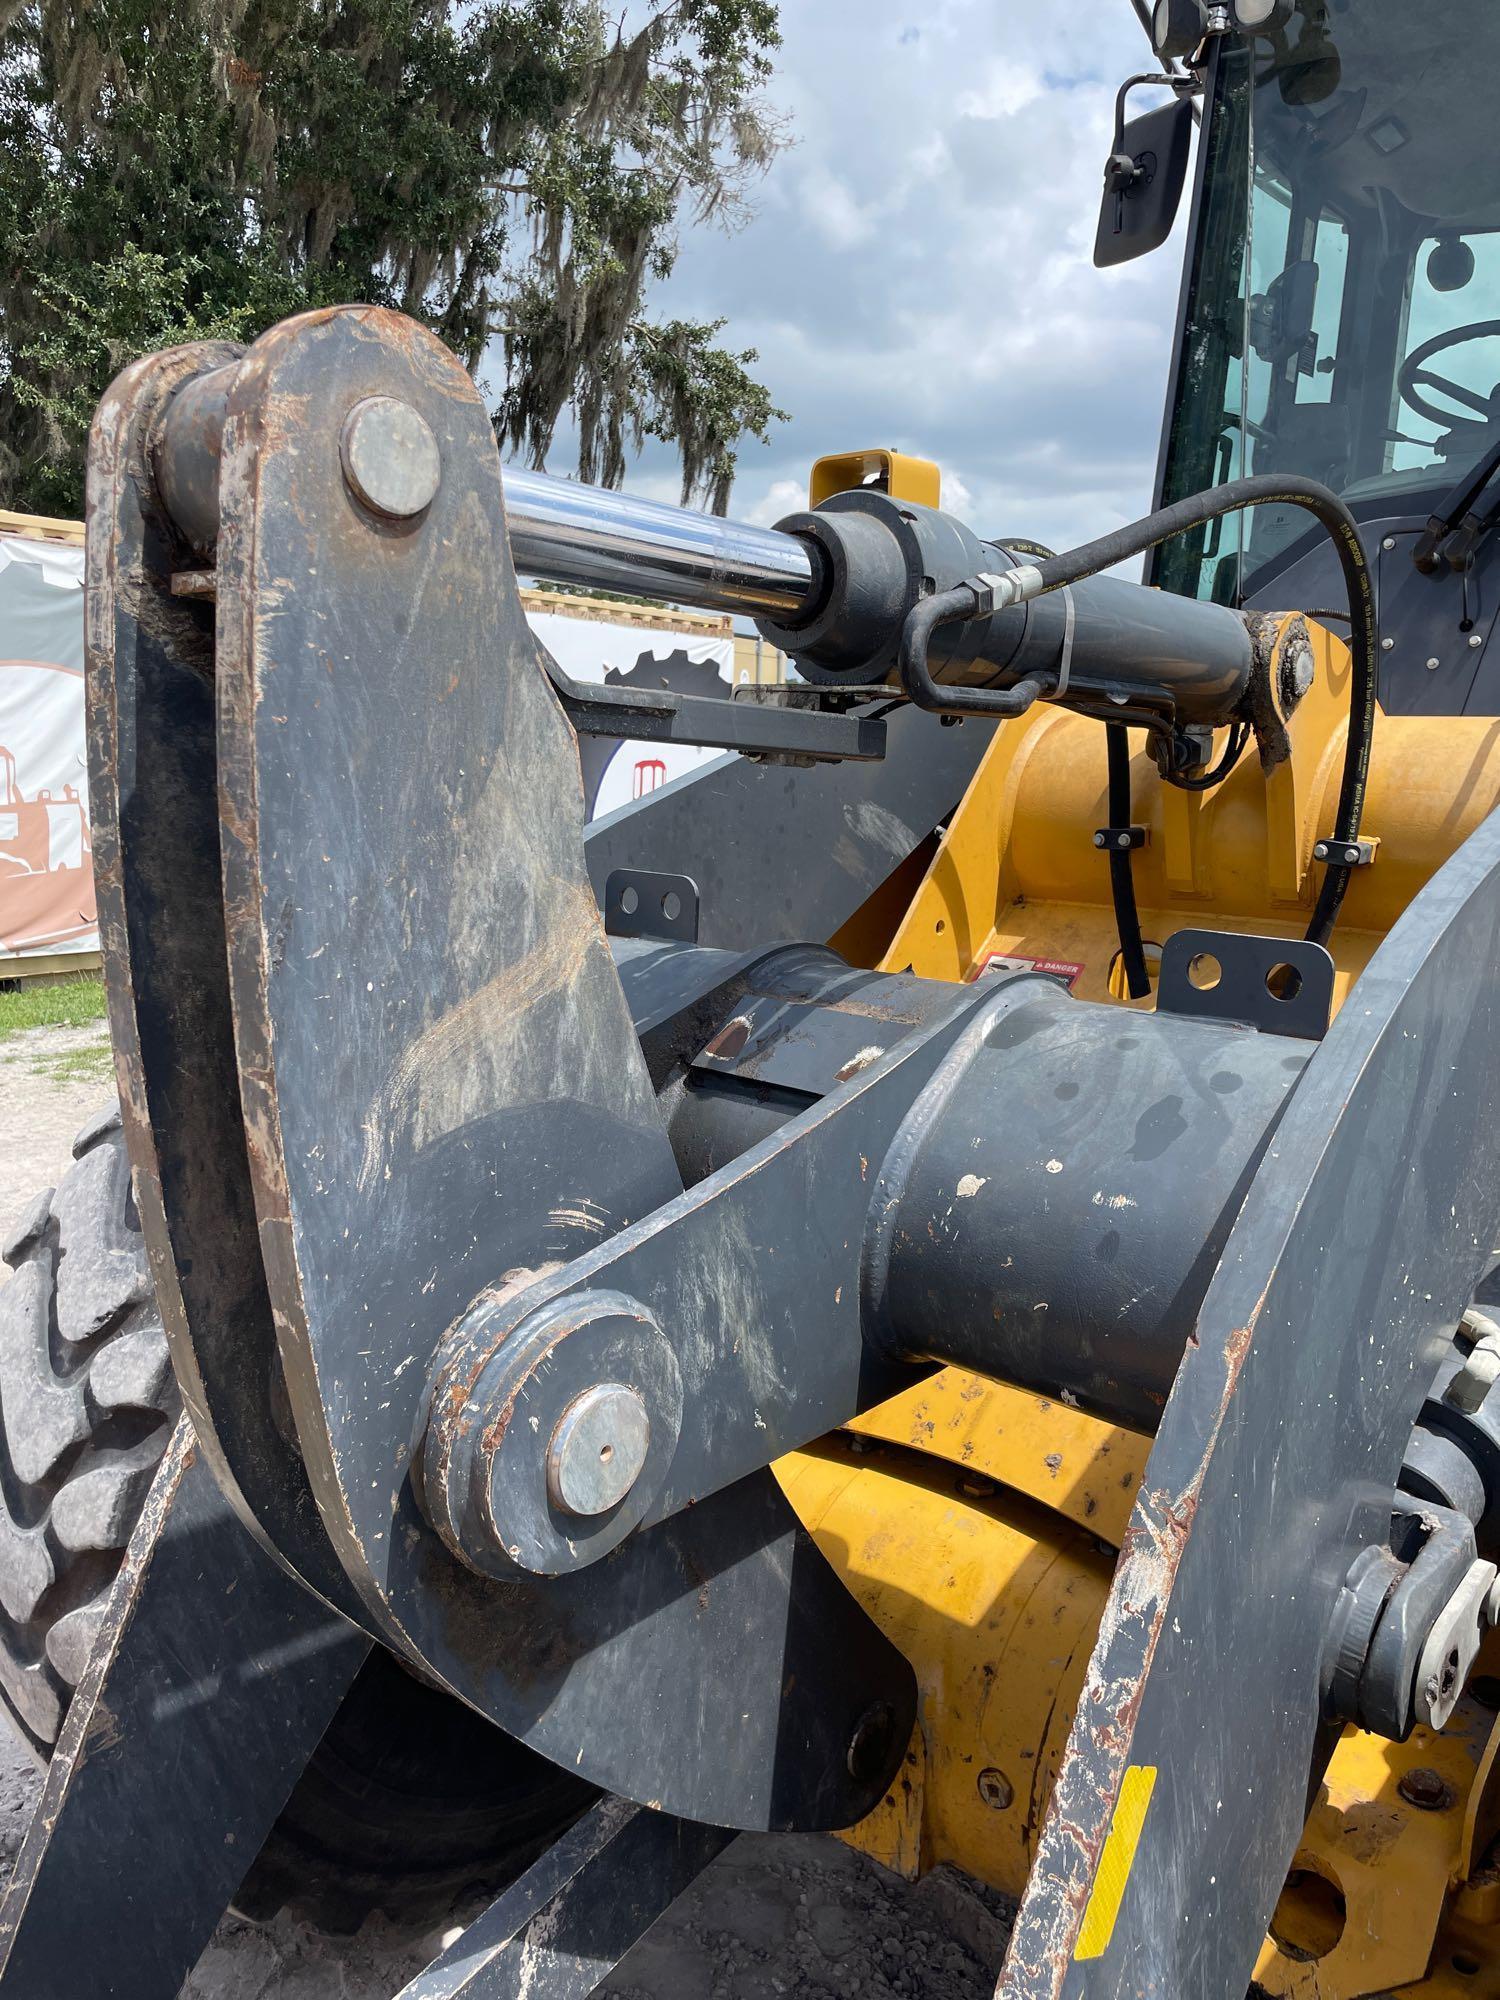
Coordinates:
87 1405
411 1802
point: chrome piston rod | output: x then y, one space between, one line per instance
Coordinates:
560 530
565 532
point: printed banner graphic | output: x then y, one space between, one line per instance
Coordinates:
46 874
46 879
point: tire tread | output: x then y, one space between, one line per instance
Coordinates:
87 1404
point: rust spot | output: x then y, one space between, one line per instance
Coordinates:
731 1038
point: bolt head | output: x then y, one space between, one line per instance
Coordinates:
1476 640
996 1789
1389 542
1424 1788
1387 645
1099 839
598 1450
1298 674
390 457
1433 665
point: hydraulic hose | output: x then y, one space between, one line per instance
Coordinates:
1121 873
1270 489
949 607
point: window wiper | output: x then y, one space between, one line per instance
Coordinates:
1453 534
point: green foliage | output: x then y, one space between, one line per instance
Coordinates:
516 169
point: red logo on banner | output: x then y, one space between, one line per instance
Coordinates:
46 865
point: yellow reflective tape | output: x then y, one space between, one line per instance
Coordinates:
1115 1862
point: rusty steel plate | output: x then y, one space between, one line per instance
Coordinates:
154 799
1185 1783
444 1097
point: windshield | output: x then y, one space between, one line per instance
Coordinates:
1343 314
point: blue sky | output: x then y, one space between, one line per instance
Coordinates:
918 270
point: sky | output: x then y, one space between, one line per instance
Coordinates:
918 272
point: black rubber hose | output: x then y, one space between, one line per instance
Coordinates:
1121 869
1289 490
1206 781
948 607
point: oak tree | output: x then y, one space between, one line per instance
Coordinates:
515 174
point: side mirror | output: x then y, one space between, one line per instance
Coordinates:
1143 181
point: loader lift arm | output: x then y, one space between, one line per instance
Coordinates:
496 1281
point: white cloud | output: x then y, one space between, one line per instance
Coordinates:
780 498
834 212
1008 87
957 497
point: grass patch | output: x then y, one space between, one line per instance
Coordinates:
92 1065
73 1002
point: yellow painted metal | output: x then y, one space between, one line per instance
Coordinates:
1084 1470
1017 873
996 1602
904 478
1390 1867
977 1522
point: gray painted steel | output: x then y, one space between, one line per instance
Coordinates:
1282 986
1055 1206
153 779
478 1018
1358 1247
210 1682
556 1933
779 853
768 1247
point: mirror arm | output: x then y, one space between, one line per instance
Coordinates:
1168 81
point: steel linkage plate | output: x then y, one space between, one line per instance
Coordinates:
444 1097
210 1680
1184 1787
154 797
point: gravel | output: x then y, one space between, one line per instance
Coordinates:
774 1915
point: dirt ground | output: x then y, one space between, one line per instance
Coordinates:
51 1081
773 1916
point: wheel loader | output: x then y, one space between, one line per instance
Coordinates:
926 1282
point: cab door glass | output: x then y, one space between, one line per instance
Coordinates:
1299 270
1455 296
1342 315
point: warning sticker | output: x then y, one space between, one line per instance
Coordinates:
999 961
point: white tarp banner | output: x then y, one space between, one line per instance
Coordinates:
46 884
46 878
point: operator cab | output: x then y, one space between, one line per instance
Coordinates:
1341 319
